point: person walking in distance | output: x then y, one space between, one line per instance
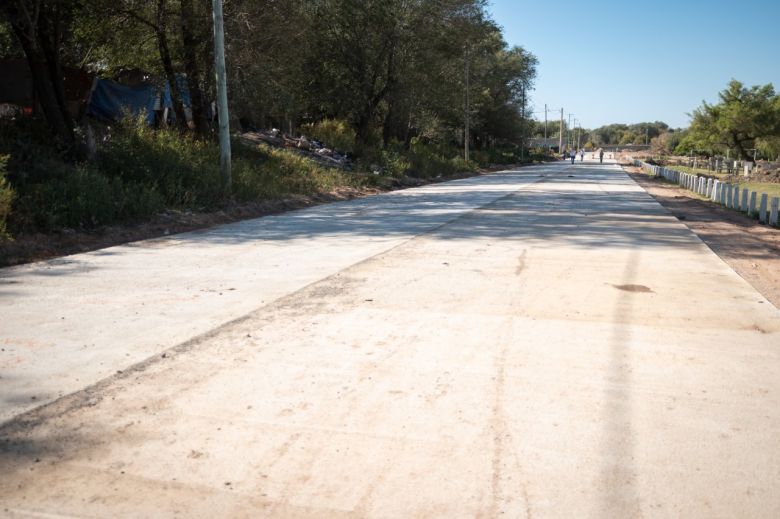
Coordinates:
572 155
601 156
582 155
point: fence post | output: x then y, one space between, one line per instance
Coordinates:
773 211
762 208
744 204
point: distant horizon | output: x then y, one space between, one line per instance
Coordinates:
618 63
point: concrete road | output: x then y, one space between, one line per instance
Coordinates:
542 343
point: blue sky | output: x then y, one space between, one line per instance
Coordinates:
610 61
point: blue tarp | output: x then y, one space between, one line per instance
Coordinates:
111 100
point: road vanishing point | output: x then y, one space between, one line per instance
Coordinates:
542 342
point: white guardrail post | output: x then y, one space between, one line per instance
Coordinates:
774 207
729 195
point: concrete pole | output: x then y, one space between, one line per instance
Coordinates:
560 136
762 208
222 100
545 123
752 204
774 207
743 205
467 110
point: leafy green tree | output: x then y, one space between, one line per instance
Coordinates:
743 117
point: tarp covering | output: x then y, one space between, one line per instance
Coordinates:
111 100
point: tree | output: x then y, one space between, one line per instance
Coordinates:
40 27
743 116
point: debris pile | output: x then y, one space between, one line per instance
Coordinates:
309 148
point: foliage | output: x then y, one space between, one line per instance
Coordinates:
382 80
741 118
666 143
335 133
181 169
82 198
7 196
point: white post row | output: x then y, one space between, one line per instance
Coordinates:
728 195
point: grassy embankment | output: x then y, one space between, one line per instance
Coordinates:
139 172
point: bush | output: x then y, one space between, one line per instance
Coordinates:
7 196
82 199
428 161
184 171
278 173
334 133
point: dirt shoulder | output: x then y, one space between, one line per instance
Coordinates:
751 249
37 247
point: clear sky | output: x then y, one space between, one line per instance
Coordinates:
610 61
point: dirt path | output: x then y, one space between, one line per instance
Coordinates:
751 249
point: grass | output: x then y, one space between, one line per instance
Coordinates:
770 188
139 172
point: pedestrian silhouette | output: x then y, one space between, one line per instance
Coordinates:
601 156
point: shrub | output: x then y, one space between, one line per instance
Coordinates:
428 160
394 164
7 196
82 199
184 171
334 133
278 173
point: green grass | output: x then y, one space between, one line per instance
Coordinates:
770 188
139 172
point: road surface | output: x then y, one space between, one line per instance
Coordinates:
548 342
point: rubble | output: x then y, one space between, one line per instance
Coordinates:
309 148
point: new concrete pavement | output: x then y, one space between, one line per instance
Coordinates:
548 342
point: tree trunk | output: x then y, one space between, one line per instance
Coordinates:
44 69
165 57
197 100
741 149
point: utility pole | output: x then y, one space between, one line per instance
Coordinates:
578 135
560 135
522 127
569 140
467 108
222 101
545 123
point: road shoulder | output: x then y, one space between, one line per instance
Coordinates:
752 250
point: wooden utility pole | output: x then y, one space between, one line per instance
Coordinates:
222 101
